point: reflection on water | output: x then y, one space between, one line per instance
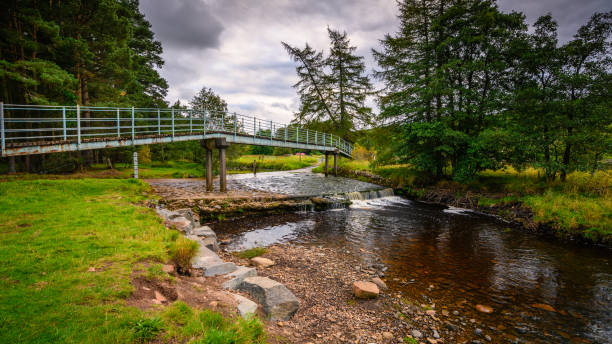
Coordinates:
468 258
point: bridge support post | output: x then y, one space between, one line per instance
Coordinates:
12 165
209 145
222 145
336 164
326 162
135 157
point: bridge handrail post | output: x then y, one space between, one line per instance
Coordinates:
132 125
254 126
172 113
78 113
223 121
316 137
118 123
306 136
235 120
158 123
271 129
2 127
297 134
64 122
190 122
203 122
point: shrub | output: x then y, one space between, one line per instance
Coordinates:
181 252
146 329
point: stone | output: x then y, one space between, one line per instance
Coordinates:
238 276
478 332
544 306
246 308
261 262
484 309
210 243
277 301
180 223
204 231
380 283
488 338
416 334
365 290
445 312
159 297
387 335
436 335
430 312
220 269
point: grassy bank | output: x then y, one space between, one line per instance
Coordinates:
272 163
580 207
67 251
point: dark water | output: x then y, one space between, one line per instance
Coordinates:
457 259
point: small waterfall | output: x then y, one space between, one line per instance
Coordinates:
366 195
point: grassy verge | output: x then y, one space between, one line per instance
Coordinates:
580 207
67 251
251 253
272 163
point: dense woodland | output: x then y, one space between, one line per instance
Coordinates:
467 87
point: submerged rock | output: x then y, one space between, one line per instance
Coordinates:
380 283
365 290
484 309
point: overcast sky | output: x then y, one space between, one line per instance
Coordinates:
233 46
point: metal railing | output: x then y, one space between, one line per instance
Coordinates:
39 125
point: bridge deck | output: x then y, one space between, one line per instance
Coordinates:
29 129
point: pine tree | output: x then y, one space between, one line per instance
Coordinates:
332 90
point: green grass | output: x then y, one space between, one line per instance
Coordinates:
52 232
272 163
251 253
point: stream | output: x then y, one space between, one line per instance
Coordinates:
540 290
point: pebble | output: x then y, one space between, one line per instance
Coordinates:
387 335
478 332
436 335
455 313
416 333
488 338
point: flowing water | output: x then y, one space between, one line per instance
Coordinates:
450 257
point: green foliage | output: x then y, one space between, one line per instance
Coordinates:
271 163
146 329
251 253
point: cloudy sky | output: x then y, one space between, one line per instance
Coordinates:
233 46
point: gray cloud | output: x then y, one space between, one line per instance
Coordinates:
233 46
183 23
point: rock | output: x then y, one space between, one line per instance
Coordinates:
159 297
478 332
445 312
430 312
387 335
237 276
180 223
277 301
416 334
167 268
436 335
455 313
488 338
210 243
204 231
380 283
544 306
246 308
365 290
220 269
261 262
484 309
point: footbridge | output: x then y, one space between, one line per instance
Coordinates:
38 129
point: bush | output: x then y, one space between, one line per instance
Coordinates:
146 329
181 253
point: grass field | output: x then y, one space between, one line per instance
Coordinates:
67 250
581 206
272 163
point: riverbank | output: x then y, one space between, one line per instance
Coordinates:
579 209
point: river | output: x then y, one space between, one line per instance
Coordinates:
540 290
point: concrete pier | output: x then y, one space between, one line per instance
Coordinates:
222 146
326 162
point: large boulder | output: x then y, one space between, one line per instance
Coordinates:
277 301
365 290
237 277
